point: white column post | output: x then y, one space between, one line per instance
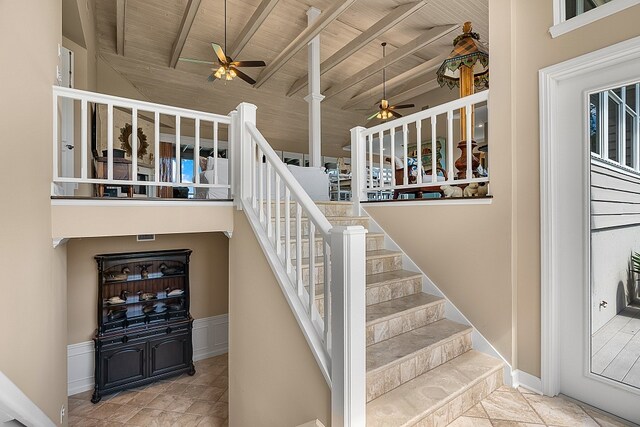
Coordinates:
315 97
348 341
358 169
246 113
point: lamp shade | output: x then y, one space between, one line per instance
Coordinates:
468 52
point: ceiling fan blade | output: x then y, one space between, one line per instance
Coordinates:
396 115
373 116
219 53
243 76
196 61
397 107
249 64
211 78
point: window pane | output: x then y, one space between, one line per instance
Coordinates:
577 7
631 97
613 131
628 139
594 122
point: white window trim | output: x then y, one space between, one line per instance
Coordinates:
561 25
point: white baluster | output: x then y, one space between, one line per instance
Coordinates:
278 218
405 140
449 153
468 112
381 174
312 267
83 139
393 157
434 150
215 152
177 176
327 294
156 146
370 165
299 283
419 150
287 230
261 184
196 153
109 142
358 170
269 200
134 145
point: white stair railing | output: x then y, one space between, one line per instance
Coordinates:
376 149
320 268
78 103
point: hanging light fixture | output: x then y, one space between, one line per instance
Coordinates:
386 111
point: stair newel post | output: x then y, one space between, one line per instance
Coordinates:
348 338
358 169
246 114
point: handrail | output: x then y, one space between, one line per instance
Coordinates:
119 173
102 98
432 168
296 189
456 104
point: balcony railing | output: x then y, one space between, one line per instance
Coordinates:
422 153
87 161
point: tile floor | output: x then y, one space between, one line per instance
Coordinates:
616 347
183 401
202 400
507 407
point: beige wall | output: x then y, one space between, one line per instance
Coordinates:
145 218
33 320
274 380
208 274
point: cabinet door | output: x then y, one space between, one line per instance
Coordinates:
123 365
170 353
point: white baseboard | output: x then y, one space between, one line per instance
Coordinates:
528 381
210 338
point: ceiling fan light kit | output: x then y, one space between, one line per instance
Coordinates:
385 110
227 69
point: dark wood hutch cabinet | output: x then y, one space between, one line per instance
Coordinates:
144 325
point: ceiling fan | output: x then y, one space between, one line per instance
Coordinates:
227 67
385 110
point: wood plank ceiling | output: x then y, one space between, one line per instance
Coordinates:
152 28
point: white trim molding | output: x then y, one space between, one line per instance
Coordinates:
15 405
527 381
550 167
210 338
561 25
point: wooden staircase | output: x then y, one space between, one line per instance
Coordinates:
421 368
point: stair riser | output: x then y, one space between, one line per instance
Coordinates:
404 322
373 266
304 224
392 376
461 403
327 209
393 290
373 244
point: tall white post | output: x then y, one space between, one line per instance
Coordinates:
315 97
246 114
358 169
348 340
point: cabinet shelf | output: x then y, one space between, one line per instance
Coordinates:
135 300
139 278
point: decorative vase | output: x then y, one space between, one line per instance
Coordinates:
461 162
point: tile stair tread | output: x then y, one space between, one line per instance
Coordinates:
397 348
336 218
378 279
392 308
387 277
411 401
380 253
305 238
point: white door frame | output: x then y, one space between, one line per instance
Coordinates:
550 186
